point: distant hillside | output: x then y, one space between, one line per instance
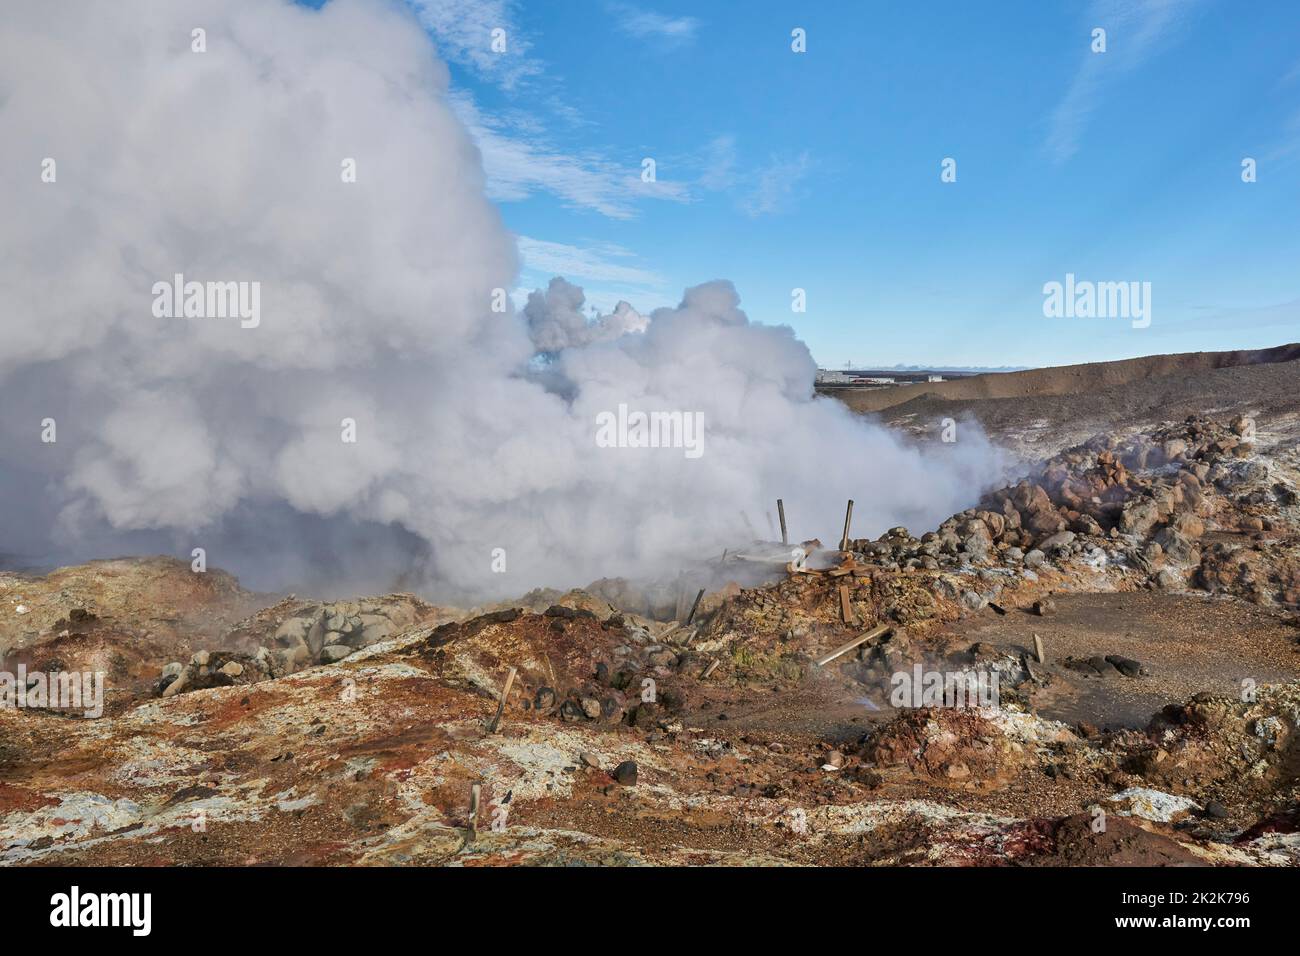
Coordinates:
1063 380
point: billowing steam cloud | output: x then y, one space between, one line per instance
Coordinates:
556 320
475 429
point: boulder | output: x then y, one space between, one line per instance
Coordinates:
976 540
1139 517
1178 547
1058 542
332 653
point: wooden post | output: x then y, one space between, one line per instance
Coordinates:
474 792
846 607
780 510
694 607
862 639
848 519
495 725
1038 650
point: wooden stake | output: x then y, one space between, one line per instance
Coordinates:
713 666
694 607
845 648
474 792
780 510
848 519
846 608
495 724
1038 650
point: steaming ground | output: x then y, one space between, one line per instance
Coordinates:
475 429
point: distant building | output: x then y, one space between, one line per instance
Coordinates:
828 377
879 378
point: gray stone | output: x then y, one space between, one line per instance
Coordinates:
1060 541
1139 517
1125 665
333 653
292 631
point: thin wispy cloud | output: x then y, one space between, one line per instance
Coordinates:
1135 31
774 185
522 156
520 163
607 273
598 263
463 30
719 163
519 157
649 25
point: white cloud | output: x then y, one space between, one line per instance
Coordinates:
463 31
518 156
774 185
1135 31
719 163
519 164
648 25
592 263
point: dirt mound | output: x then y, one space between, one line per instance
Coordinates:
952 748
157 626
161 596
1077 841
124 618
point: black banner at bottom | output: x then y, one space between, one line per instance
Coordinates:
337 905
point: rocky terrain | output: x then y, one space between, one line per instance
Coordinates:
1133 601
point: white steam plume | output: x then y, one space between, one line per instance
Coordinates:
376 305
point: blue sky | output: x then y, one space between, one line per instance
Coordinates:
821 170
